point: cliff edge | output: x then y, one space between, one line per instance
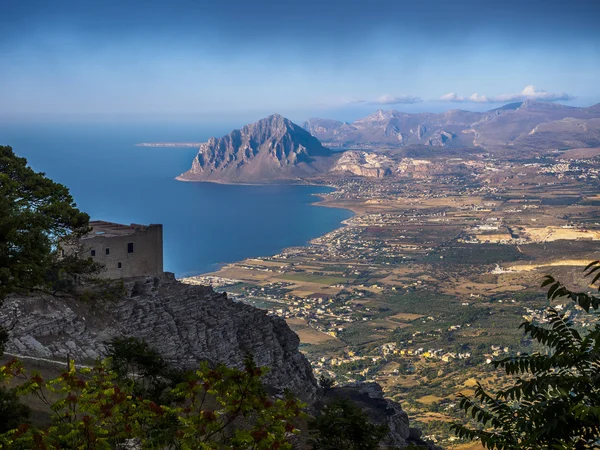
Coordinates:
186 324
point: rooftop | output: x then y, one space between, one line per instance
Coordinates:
111 229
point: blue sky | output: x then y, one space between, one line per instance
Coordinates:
327 58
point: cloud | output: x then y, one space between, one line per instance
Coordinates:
388 99
452 97
532 93
529 93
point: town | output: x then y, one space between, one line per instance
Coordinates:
428 282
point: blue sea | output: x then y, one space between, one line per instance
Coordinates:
205 225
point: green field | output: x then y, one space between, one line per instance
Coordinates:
326 280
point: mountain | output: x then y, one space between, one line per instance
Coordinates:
394 129
271 149
505 128
498 128
564 133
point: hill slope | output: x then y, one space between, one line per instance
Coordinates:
498 128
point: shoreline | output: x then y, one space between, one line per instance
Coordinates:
321 202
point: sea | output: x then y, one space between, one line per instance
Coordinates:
205 225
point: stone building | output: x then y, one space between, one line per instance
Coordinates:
125 250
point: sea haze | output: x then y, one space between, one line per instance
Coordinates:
205 225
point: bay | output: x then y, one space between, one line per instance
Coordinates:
205 225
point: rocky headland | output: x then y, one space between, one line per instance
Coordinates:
270 150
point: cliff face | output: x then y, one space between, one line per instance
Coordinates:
364 164
186 324
369 397
271 149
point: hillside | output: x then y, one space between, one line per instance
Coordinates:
498 128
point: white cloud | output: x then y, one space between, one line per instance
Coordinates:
529 93
478 98
452 97
388 99
532 93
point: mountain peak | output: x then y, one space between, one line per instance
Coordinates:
547 106
271 148
379 115
275 118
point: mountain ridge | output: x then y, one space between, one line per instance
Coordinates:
493 129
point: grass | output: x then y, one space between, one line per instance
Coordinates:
429 399
326 280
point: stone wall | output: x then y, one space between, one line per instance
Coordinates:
130 255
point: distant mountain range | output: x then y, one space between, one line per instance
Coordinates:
503 127
275 149
271 149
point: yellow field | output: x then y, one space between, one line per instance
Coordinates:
307 334
564 263
429 399
471 382
433 416
493 238
549 234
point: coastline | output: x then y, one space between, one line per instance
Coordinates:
321 202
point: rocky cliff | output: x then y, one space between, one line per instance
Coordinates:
369 397
186 324
364 164
271 149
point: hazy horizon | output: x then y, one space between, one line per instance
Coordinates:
242 61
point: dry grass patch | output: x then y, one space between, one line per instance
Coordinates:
549 234
471 382
430 399
433 417
307 334
405 317
466 392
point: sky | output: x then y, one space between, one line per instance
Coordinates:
312 58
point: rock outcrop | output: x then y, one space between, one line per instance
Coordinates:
272 149
364 164
369 397
186 324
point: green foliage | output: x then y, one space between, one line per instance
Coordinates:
214 408
142 367
325 382
12 412
37 215
555 400
342 425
